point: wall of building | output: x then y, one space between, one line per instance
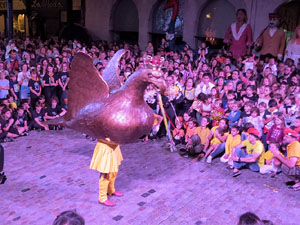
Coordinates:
100 17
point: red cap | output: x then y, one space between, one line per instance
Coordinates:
253 131
290 132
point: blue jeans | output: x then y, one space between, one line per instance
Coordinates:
240 153
220 150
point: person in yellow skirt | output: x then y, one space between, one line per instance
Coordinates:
106 159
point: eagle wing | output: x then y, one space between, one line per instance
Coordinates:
85 86
111 72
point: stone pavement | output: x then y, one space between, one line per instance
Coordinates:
48 172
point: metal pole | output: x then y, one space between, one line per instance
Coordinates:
10 28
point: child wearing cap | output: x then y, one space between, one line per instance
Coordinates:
253 158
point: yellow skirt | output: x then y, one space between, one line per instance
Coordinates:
107 157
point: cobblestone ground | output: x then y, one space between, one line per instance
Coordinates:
48 172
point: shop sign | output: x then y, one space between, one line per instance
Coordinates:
47 3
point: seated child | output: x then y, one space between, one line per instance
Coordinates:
11 102
217 113
215 143
38 118
190 131
192 125
270 115
54 111
275 134
178 133
256 120
3 135
198 140
186 119
233 140
7 124
245 114
234 115
21 119
269 166
289 110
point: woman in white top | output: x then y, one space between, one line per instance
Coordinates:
293 48
23 79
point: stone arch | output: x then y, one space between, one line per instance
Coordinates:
154 38
124 21
219 26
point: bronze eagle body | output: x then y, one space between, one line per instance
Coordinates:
102 108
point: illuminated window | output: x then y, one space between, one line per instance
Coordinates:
19 22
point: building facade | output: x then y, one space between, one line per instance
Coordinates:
139 20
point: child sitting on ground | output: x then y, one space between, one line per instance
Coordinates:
178 133
214 144
275 134
155 127
217 113
233 140
245 114
197 141
234 115
21 119
186 119
190 131
270 115
256 120
269 166
11 103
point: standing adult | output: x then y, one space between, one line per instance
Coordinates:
50 83
23 79
35 88
63 80
4 86
239 35
293 48
272 39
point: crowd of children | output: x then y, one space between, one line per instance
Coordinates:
243 111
